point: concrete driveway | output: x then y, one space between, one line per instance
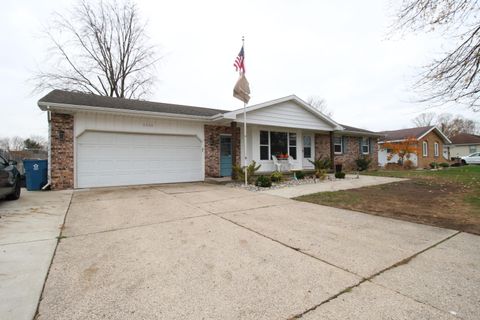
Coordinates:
29 228
199 251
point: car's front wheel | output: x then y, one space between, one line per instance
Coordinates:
464 162
16 191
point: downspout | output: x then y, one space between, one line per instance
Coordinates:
49 150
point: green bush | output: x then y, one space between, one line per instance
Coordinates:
300 175
363 163
239 172
433 165
340 175
444 165
263 181
321 164
276 176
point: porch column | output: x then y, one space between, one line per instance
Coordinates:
332 152
233 131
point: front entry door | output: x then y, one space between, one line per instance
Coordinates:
225 156
308 152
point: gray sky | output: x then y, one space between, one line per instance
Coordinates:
338 50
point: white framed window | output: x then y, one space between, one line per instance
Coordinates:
338 145
435 150
365 145
425 148
472 149
279 144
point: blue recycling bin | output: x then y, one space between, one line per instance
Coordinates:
35 173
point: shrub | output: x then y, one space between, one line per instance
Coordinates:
444 165
340 175
408 164
276 176
321 174
300 175
433 165
239 172
263 181
363 163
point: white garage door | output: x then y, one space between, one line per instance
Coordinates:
116 159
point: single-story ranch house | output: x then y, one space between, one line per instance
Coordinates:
430 145
97 141
463 144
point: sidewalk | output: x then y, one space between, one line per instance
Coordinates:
28 238
350 182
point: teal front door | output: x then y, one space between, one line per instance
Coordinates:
225 156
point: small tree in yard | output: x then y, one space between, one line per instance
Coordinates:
404 149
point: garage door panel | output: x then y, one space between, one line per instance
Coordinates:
111 159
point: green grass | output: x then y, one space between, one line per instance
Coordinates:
467 174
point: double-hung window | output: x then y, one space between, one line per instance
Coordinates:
264 145
365 145
435 150
472 149
337 145
279 144
425 148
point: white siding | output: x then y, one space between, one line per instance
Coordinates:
382 158
287 114
87 122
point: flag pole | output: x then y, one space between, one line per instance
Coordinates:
245 127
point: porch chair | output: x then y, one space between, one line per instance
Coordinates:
277 163
291 167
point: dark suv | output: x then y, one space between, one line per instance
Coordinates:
9 180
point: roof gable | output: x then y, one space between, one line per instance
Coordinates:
417 133
289 111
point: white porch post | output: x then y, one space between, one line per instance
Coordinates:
245 140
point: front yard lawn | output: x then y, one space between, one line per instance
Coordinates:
447 198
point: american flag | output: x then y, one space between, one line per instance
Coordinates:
239 63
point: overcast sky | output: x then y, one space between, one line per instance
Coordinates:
338 50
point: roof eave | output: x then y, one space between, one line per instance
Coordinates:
53 106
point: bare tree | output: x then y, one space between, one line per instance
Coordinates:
424 119
16 143
454 77
101 48
320 104
453 125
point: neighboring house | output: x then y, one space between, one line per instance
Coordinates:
430 145
463 144
99 141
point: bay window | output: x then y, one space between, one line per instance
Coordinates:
279 144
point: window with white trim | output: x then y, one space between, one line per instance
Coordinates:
472 149
425 148
365 145
279 144
337 145
435 149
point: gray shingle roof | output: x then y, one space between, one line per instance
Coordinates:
405 133
354 129
92 100
465 138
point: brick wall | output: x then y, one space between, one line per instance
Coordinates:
430 138
61 165
350 154
212 148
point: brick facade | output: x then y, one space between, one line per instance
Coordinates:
430 138
212 148
350 153
61 161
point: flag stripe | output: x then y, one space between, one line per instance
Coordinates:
239 63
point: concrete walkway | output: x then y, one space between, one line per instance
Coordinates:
28 236
350 182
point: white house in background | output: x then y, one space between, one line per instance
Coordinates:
463 144
97 141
